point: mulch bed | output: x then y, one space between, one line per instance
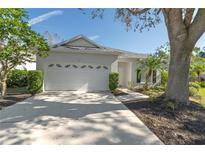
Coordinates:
12 99
185 125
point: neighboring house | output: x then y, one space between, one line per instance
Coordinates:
27 66
81 64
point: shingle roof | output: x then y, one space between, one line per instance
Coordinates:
97 48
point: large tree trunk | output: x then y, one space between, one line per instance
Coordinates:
3 84
180 56
3 88
178 81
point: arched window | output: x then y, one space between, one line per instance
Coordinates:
51 65
58 65
66 66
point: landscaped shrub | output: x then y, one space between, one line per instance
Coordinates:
202 84
193 91
164 77
130 85
195 85
113 80
35 81
17 78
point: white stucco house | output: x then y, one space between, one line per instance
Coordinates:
82 64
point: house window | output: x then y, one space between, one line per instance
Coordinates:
66 66
154 76
98 67
58 65
75 66
84 66
105 67
91 67
138 75
51 65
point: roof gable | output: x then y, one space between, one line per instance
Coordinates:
79 41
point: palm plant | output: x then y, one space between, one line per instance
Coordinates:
157 61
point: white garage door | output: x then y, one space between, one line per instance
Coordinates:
83 77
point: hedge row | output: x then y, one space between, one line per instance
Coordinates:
33 80
17 78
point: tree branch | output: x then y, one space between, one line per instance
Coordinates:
188 16
165 13
174 22
136 11
197 28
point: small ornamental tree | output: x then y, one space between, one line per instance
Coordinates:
18 43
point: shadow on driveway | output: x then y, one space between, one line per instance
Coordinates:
69 118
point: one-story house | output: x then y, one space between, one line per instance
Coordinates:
81 64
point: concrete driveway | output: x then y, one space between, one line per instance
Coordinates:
72 118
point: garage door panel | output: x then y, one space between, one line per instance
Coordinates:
71 78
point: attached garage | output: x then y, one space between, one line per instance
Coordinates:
76 76
77 64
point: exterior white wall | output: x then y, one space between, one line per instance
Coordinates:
114 66
124 74
131 75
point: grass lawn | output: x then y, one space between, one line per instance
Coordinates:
200 100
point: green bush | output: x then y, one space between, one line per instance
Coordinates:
202 84
113 80
193 91
17 78
195 85
35 81
164 77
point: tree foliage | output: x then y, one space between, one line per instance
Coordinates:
184 27
197 63
19 43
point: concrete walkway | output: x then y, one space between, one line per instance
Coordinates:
72 118
130 95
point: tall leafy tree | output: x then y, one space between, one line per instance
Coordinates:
19 44
184 28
